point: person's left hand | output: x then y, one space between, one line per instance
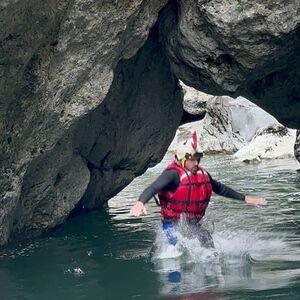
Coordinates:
255 201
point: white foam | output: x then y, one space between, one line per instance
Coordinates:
230 264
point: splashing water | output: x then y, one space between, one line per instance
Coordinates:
234 261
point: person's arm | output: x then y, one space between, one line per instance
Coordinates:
223 190
169 179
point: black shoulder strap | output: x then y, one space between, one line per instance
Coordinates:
156 200
189 190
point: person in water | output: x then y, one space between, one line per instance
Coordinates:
184 189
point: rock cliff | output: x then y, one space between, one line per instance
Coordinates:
239 48
86 94
88 89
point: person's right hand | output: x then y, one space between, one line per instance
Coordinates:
138 209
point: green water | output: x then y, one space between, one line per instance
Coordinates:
110 255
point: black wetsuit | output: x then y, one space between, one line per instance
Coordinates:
169 180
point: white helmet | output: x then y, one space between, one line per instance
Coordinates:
188 150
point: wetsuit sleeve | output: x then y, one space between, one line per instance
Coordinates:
168 180
225 191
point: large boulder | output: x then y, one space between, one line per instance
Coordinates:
78 99
268 143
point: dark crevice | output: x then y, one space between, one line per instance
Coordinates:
187 117
225 59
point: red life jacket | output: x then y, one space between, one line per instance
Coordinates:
191 197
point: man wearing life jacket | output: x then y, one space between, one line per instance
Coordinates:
185 188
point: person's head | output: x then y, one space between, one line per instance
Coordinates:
188 155
193 163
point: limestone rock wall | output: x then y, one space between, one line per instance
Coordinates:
107 148
59 61
233 47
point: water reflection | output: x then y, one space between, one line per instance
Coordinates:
198 296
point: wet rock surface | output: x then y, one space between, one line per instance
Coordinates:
239 48
59 61
88 91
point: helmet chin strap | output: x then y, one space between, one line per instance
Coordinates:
181 161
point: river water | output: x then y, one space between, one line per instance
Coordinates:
110 255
